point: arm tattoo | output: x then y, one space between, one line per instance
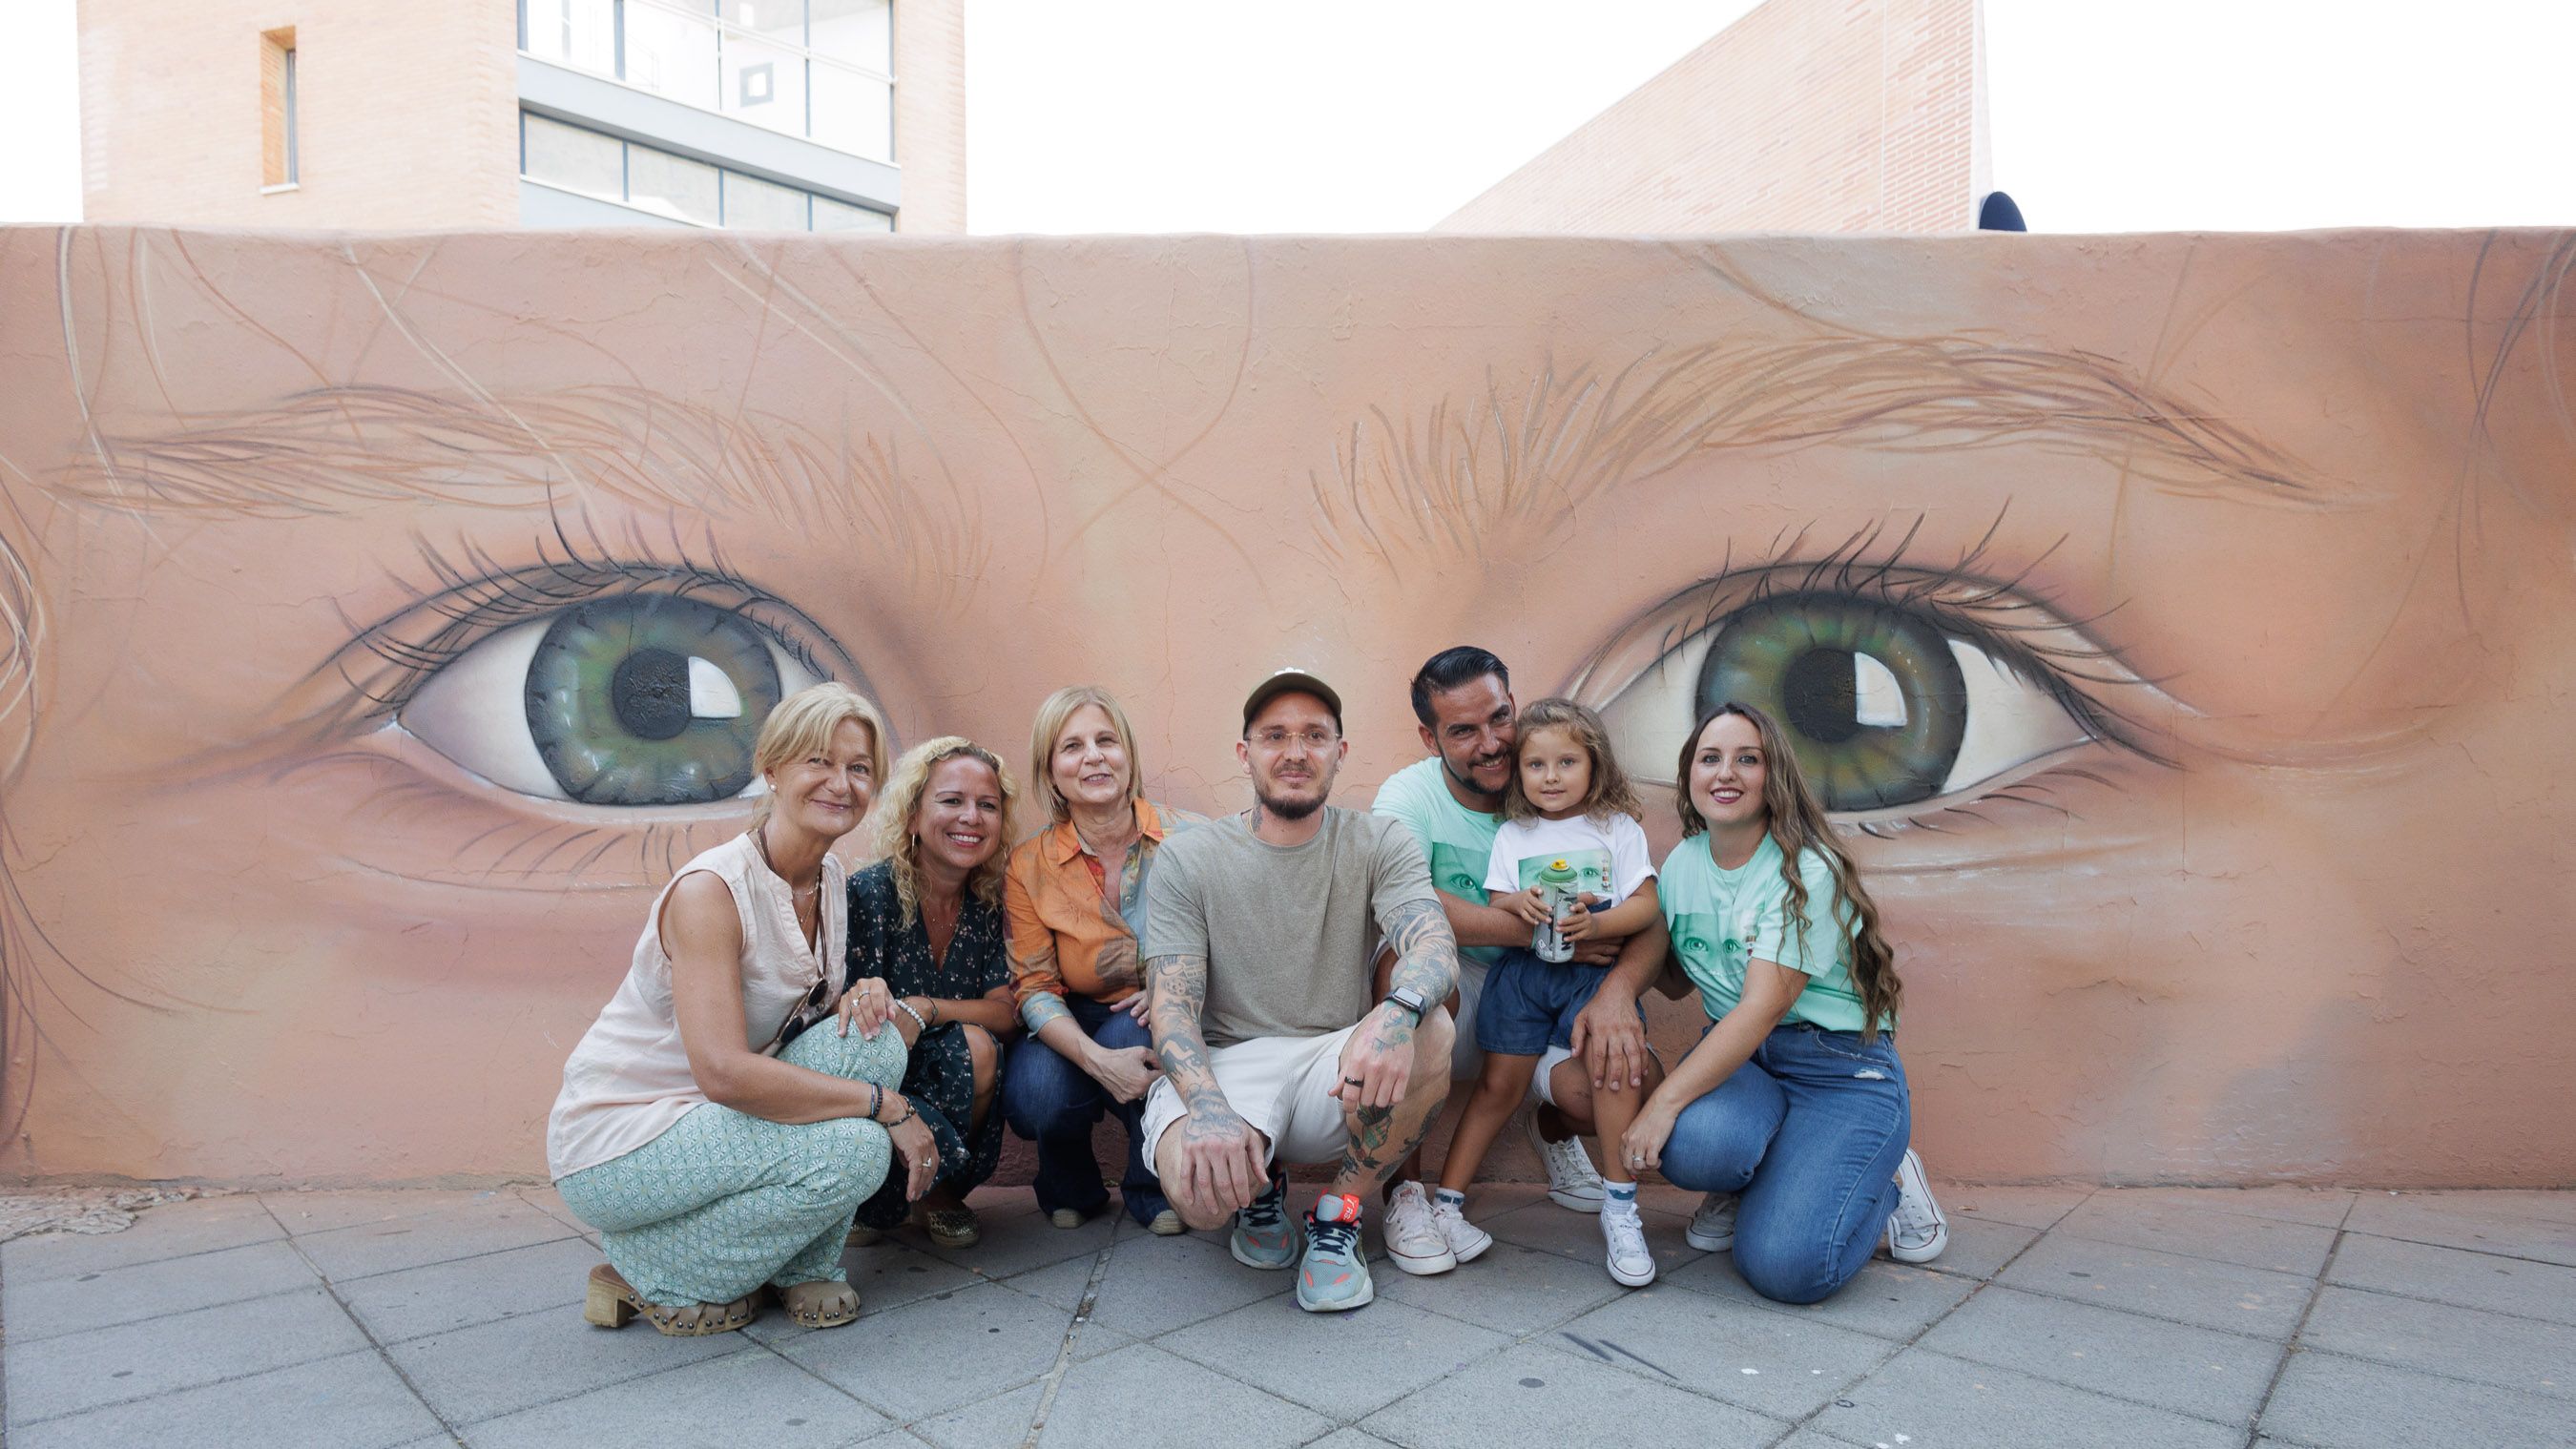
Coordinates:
1426 952
1179 987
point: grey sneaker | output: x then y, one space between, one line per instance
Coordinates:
1571 1180
1916 1231
1335 1276
1264 1235
1712 1228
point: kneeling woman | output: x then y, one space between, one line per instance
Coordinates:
926 951
1792 1112
710 1166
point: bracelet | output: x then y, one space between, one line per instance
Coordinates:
876 1101
909 1112
918 1025
934 1009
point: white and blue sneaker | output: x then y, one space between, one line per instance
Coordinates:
1264 1235
1572 1182
1916 1231
1334 1276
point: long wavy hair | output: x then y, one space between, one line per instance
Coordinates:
901 801
1608 793
1798 824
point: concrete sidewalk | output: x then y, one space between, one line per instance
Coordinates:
2141 1317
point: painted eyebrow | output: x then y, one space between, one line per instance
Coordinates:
1528 453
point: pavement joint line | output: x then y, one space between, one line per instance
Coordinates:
2082 1237
1054 1378
100 1408
2162 1318
2456 1248
2248 1422
387 1359
451 1262
2292 1349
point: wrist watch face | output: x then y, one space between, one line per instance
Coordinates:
1409 999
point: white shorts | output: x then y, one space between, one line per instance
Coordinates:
1547 1064
1281 1085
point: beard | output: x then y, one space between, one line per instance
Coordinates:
1464 775
1294 807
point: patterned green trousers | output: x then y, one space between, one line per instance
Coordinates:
723 1202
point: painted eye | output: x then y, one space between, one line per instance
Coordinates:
638 699
1892 706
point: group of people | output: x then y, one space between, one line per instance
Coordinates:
796 1059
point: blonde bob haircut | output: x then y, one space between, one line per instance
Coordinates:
901 800
1059 708
802 726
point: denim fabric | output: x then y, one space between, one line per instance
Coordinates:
1810 1132
1529 1004
1054 1103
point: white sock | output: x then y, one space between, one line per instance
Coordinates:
1621 1198
1456 1200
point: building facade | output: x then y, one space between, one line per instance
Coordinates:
1804 116
774 115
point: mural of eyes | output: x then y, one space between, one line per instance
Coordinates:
1904 690
638 697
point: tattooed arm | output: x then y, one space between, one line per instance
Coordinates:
1377 1066
1220 1153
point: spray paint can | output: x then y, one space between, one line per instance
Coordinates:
1557 891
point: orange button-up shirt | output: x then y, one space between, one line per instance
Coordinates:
1073 922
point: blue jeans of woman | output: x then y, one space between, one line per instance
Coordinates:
1809 1134
1055 1103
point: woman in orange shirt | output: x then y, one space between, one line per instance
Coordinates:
1074 896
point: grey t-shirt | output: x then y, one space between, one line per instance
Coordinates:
1289 931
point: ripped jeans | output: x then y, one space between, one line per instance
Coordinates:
1809 1132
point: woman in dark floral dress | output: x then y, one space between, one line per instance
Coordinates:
926 942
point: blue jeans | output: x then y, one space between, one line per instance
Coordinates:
1809 1132
1054 1103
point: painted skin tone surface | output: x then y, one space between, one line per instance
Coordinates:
2231 864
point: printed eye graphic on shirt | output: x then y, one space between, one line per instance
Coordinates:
1591 870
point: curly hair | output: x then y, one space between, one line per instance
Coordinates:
1609 792
1798 823
900 802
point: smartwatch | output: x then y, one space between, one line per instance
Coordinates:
1411 1000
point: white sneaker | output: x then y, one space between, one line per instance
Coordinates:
1571 1182
1916 1231
1413 1240
1712 1227
1467 1242
1625 1232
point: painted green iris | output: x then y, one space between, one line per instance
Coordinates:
1871 695
650 700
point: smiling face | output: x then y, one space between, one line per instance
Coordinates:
1088 763
1556 771
827 794
959 820
1293 748
2177 626
1471 730
1727 780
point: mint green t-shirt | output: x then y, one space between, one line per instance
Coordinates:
1458 842
1723 920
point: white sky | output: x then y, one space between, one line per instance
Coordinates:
1385 115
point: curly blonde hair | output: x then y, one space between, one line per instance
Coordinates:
901 801
1610 793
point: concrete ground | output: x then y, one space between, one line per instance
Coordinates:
2142 1317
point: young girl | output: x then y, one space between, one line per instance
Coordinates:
1568 807
1791 1113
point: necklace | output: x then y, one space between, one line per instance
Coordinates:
795 892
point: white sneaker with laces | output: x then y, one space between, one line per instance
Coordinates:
1413 1241
1916 1231
1712 1227
1630 1264
1467 1242
1571 1181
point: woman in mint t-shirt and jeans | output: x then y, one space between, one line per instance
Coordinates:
1791 1113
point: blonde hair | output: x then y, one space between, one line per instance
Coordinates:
1608 793
901 799
1053 713
802 726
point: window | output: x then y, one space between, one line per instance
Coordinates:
830 215
581 34
576 158
669 185
758 205
278 162
572 158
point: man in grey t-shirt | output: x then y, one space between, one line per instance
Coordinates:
1259 932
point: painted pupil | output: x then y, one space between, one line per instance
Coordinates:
650 699
1870 694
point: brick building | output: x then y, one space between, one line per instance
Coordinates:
1805 115
774 114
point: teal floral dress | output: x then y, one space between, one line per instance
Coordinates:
940 1078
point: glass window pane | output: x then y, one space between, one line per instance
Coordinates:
756 205
830 215
764 83
578 33
781 21
853 112
858 31
671 54
668 185
572 158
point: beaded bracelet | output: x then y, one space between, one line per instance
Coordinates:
918 1025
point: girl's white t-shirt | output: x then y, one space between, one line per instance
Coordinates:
1608 853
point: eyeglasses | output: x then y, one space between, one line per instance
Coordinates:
1275 738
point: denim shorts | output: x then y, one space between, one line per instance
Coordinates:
1529 1005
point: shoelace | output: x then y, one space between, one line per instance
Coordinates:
1569 1166
1914 1218
1333 1238
1265 1211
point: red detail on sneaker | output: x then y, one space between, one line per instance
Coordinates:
1337 1207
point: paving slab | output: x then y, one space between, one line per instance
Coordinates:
1000 1422
497 1368
1511 1289
2196 1232
204 1225
2457 1220
941 1353
2196 1371
2023 1207
750 1396
2463 1343
1534 1395
301 1213
78 1371
50 1307
1771 1363
417 1302
1127 1399
352 1401
888 1274
492 1224
2335 1402
2453 1275
1017 1237
1155 1285
1884 1299
1342 1365
1980 1249
1551 1229
2202 1291
1927 1400
2319 1207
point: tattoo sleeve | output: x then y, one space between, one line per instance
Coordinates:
1426 952
1179 995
